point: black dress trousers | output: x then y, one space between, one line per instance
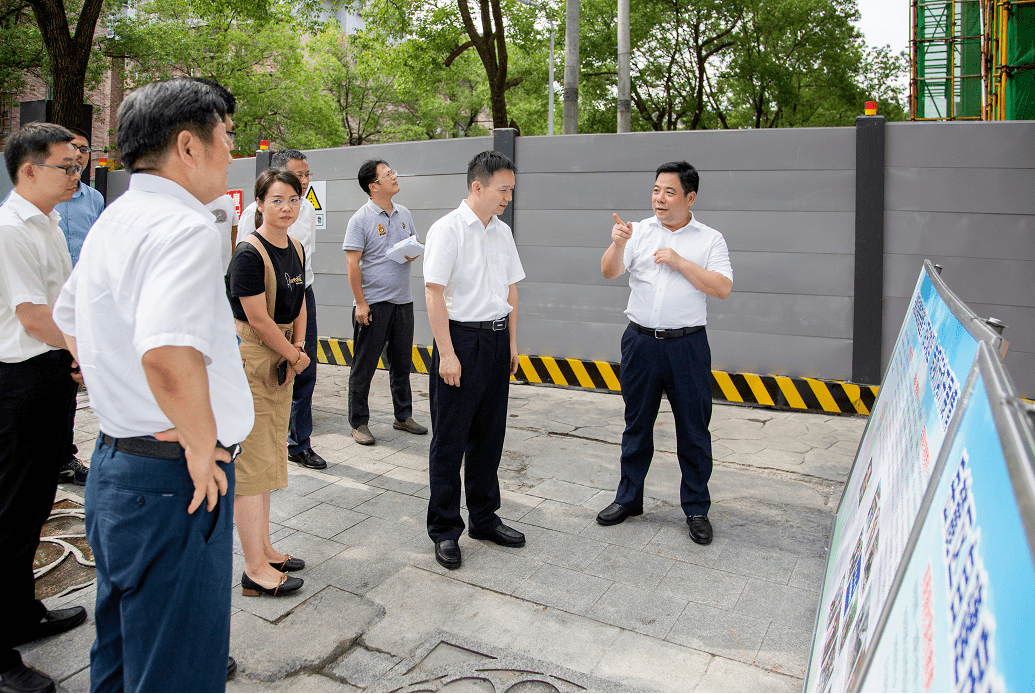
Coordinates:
391 325
468 426
34 413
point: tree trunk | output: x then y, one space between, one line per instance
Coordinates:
69 55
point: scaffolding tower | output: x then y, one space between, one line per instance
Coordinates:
972 60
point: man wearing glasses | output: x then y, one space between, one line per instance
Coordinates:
300 449
36 380
383 302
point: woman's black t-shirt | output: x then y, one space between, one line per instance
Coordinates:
247 277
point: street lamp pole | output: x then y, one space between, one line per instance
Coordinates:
550 91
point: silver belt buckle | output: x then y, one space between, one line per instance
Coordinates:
657 336
499 324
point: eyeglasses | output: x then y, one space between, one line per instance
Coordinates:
293 201
232 134
391 173
71 169
304 174
84 149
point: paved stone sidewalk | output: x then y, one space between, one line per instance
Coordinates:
636 606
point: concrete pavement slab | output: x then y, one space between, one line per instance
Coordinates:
637 610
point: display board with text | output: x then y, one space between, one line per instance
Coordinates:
962 618
933 355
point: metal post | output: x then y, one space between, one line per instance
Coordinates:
570 124
868 314
624 81
504 141
262 160
550 106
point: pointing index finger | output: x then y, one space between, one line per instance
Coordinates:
618 219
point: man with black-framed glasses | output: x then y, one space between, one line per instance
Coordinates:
37 382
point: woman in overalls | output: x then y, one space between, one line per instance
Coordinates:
266 287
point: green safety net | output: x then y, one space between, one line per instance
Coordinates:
1020 61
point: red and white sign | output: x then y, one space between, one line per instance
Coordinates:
238 196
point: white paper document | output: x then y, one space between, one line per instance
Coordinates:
407 248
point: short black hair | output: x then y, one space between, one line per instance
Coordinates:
153 116
265 180
228 99
78 132
484 166
688 176
281 157
368 173
32 144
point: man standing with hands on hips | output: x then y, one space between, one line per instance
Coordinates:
471 270
674 262
145 312
383 311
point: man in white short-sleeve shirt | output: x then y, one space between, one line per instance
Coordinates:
224 213
471 271
674 262
37 390
146 313
300 429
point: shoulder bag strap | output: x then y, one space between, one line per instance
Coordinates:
271 277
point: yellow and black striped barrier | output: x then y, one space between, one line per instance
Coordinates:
780 392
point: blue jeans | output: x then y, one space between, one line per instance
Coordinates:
301 426
163 576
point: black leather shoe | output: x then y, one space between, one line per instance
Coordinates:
447 553
700 529
501 535
289 564
24 679
57 622
616 513
288 584
309 458
231 668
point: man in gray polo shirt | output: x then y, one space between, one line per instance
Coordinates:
383 307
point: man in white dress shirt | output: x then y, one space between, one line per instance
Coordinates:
145 312
300 448
37 390
471 271
674 262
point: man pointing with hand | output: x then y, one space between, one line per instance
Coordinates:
674 262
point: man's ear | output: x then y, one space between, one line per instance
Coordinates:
188 148
691 197
26 172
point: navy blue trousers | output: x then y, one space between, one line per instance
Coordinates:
468 425
679 368
301 426
34 409
163 576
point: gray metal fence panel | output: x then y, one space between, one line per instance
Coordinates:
961 194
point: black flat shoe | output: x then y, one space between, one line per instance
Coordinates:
288 584
447 553
289 564
309 458
700 529
24 679
56 622
231 668
616 513
501 535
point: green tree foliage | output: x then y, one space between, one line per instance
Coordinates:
23 51
254 50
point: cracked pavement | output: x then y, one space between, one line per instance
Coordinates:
636 606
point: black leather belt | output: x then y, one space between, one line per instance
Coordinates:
497 325
665 334
153 448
